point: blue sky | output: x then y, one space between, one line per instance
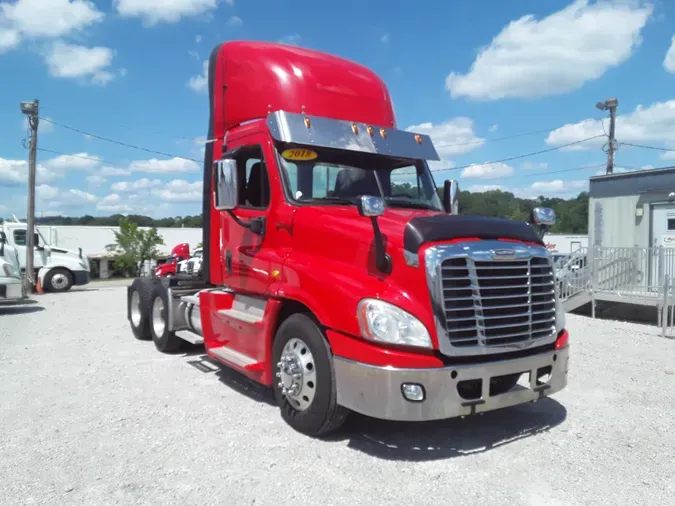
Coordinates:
467 73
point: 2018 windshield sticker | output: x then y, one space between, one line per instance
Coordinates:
299 154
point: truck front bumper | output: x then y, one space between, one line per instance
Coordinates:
379 391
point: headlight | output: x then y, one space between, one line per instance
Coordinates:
559 316
384 322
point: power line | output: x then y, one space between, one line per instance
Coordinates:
646 147
515 136
537 174
518 157
125 144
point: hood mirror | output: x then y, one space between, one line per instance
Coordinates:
543 218
451 196
370 206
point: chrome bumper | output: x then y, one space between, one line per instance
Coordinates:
377 391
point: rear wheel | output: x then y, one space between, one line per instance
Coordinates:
139 308
305 379
165 340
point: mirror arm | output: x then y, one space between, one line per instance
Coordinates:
382 258
256 225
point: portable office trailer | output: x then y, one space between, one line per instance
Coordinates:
633 209
634 212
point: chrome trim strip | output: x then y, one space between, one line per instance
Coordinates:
485 251
349 135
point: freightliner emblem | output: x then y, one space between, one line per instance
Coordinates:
503 253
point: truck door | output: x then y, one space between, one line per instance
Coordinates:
247 255
18 240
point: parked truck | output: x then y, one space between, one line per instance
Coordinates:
57 269
334 272
169 267
11 285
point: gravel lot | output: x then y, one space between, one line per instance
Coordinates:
91 416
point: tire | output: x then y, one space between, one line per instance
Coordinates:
139 308
322 414
58 280
165 340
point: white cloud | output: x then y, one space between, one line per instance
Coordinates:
50 197
15 172
481 188
292 39
199 83
198 39
129 186
113 204
46 18
533 58
229 2
533 166
95 180
179 190
235 21
384 39
451 138
171 165
668 61
653 124
554 188
73 61
153 12
114 171
491 171
493 128
668 155
9 39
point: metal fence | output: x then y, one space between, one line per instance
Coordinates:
644 276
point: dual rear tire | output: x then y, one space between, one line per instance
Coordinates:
149 315
302 362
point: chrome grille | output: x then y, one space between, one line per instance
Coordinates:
190 266
497 303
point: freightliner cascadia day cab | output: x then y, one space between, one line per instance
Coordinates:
332 270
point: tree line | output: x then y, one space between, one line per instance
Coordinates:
572 214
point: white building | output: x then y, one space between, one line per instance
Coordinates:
93 241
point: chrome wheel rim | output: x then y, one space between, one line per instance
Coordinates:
59 281
297 374
158 324
135 309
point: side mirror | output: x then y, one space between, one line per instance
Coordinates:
36 239
3 237
226 193
370 206
543 218
451 196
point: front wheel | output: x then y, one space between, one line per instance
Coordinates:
304 386
58 280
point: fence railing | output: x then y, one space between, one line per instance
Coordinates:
634 275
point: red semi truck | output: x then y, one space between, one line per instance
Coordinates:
169 267
335 274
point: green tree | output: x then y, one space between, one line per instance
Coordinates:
134 246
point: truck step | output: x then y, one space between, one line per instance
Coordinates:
235 357
244 316
190 337
190 299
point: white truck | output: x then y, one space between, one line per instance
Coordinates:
11 287
57 269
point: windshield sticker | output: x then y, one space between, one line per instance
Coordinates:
299 154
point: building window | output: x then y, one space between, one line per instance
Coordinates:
671 224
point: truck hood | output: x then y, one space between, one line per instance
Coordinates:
69 258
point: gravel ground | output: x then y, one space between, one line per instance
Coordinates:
91 416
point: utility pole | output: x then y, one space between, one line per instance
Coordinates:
31 109
610 104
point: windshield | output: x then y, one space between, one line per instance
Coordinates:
338 177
